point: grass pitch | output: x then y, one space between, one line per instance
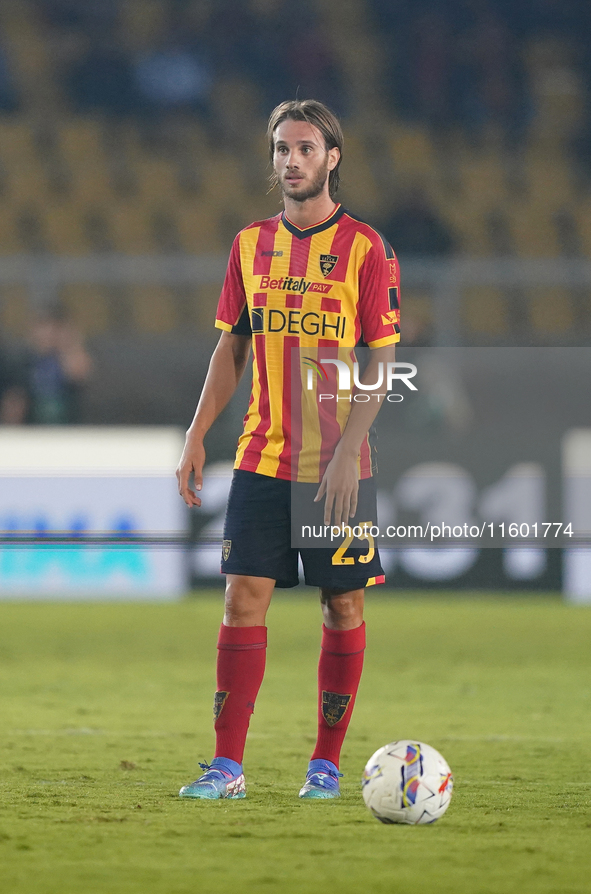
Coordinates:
106 710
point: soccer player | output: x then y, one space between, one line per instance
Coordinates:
313 279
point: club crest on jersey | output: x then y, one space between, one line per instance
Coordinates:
334 706
328 263
226 547
219 700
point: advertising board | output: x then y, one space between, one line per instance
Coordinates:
90 513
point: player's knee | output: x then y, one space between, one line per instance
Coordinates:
237 616
245 602
238 605
342 609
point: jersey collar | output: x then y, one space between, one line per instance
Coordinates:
316 228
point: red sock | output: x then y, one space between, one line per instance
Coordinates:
240 670
339 673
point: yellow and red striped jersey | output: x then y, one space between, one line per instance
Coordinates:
313 291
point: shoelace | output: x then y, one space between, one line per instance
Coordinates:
212 773
320 778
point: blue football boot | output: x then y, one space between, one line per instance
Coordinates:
322 781
223 778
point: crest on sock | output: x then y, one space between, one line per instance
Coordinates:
219 700
334 706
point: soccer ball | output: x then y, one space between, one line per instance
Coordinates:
407 782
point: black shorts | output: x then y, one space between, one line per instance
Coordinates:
258 535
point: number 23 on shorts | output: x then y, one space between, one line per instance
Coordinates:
339 557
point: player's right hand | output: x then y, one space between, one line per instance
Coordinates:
191 462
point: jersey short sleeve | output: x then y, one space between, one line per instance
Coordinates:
232 312
379 298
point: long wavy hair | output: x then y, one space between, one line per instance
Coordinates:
318 115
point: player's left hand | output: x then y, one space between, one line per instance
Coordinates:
340 486
191 463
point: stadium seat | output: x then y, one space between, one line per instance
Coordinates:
81 144
484 311
66 234
533 232
557 87
25 177
153 308
418 316
14 310
198 227
131 228
9 242
142 22
157 180
483 181
88 305
412 152
582 215
549 181
551 311
205 304
470 226
360 193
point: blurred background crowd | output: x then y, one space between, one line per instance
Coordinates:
136 129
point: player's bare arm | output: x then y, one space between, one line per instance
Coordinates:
339 483
226 367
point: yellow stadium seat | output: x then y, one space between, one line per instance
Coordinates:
469 226
206 302
80 139
26 180
130 225
549 182
484 184
412 151
582 216
91 185
65 230
223 182
142 22
15 314
88 305
484 310
198 228
416 317
360 193
551 311
17 144
81 144
236 101
534 233
28 184
9 240
28 47
153 308
157 180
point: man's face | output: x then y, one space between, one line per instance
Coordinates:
301 160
